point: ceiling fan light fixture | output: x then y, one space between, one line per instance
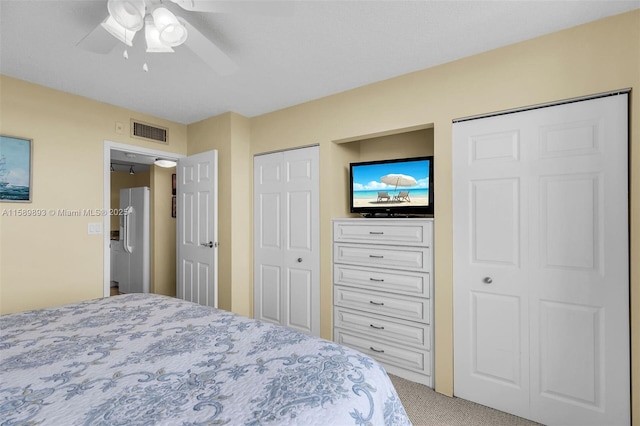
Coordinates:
172 32
152 37
164 163
118 31
128 13
184 3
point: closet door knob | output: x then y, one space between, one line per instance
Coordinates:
299 260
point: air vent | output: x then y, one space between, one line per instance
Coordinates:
147 131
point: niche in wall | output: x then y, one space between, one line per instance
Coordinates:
415 141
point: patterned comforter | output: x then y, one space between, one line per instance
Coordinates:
149 359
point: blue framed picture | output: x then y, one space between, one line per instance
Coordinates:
15 169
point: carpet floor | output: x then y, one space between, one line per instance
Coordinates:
427 407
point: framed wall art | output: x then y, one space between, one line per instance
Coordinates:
15 169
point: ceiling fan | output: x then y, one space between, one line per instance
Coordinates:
164 30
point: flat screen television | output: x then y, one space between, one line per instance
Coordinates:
398 187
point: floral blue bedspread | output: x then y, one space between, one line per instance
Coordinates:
149 359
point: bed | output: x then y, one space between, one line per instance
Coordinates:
150 359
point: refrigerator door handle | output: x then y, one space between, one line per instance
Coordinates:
127 230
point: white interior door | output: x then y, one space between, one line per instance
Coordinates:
286 242
541 263
197 233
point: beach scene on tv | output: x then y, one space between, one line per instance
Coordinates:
401 183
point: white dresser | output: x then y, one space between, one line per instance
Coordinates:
382 292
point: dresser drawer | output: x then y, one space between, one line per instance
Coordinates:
383 232
380 327
410 283
406 358
397 306
405 258
383 292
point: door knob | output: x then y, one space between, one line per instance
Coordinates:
299 260
209 244
487 280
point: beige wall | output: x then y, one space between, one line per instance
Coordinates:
241 201
593 58
405 143
163 232
68 135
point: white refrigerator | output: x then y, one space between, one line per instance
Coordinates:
133 260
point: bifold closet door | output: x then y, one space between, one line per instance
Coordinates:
286 239
541 262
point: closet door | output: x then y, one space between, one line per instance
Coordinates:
491 313
541 263
286 239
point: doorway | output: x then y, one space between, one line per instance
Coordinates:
124 157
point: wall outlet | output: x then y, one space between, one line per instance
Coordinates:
94 228
119 127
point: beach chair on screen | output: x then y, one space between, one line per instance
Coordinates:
402 196
383 196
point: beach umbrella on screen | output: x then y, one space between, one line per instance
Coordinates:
398 180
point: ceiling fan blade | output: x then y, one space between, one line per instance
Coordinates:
98 41
249 7
211 54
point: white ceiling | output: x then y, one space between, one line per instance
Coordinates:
321 48
121 161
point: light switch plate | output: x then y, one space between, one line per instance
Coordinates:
94 228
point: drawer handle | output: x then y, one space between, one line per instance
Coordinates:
375 256
378 280
377 327
376 232
376 303
376 350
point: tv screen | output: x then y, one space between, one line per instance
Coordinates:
392 187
